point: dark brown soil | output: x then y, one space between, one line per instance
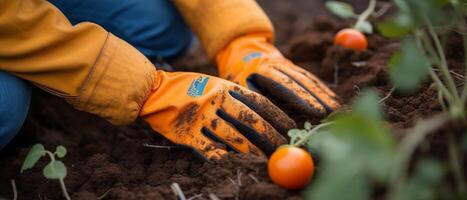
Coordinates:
112 163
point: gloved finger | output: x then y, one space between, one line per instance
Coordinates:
251 125
265 108
200 143
285 92
220 131
312 85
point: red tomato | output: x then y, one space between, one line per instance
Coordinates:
352 39
290 167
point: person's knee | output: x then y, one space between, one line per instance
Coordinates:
159 30
154 27
15 95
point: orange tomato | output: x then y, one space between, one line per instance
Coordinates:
352 39
290 167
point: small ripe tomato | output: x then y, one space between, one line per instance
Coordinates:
352 39
290 167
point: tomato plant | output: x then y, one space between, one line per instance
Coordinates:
424 24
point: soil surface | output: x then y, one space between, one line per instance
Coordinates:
109 162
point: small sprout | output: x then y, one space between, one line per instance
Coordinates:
54 170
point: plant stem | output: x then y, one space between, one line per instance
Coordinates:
15 192
178 191
406 149
365 14
65 192
51 155
424 43
464 91
439 84
456 165
443 65
311 132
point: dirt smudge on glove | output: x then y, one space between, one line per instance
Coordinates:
186 116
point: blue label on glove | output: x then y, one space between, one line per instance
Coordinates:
197 86
251 56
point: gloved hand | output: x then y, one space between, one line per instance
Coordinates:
253 62
213 115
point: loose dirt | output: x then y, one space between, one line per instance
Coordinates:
111 162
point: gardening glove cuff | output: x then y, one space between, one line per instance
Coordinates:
252 61
218 22
118 84
212 115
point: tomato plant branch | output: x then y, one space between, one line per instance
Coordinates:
438 58
443 63
310 133
424 43
367 13
407 147
456 165
464 91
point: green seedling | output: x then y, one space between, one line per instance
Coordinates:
54 170
346 11
425 25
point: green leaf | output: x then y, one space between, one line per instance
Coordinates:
293 133
422 184
343 180
60 151
367 105
409 68
463 145
369 141
365 27
417 12
55 170
355 150
340 9
307 125
393 29
36 152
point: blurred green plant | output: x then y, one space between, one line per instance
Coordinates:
423 25
359 158
54 170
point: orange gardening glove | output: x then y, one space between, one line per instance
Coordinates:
253 62
213 115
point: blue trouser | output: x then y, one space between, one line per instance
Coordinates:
152 26
15 95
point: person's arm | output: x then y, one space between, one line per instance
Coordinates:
93 69
217 23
